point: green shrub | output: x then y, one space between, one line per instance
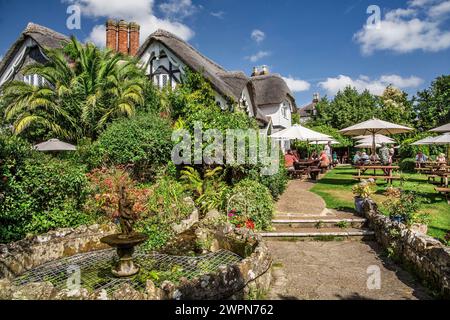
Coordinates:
408 165
277 183
254 201
44 193
143 141
168 201
167 206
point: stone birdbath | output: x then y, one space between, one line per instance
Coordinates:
126 241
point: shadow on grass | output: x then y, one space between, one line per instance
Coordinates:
336 182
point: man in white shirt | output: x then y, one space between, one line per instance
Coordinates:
328 152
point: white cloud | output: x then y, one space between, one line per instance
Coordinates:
419 26
375 86
297 85
140 11
258 56
178 9
440 9
219 14
258 36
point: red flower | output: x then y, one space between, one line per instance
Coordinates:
250 225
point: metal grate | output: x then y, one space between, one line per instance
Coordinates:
94 269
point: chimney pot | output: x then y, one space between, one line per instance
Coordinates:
255 71
316 97
134 34
264 70
111 34
123 37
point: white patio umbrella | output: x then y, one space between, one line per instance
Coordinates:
54 145
442 139
444 128
333 142
378 137
424 141
374 127
298 132
378 140
366 146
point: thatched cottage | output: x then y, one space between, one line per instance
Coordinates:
264 96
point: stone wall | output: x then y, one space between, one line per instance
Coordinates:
252 274
29 253
424 255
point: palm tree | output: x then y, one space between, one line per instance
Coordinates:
85 89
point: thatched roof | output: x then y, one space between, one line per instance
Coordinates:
44 37
267 89
307 110
192 58
236 80
271 89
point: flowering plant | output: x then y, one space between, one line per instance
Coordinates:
105 184
237 219
364 189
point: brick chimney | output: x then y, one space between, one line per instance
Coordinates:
111 34
316 97
134 32
264 71
122 46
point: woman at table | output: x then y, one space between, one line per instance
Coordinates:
290 160
324 160
440 159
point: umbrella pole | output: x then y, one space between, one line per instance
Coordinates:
374 150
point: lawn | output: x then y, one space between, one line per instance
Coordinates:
336 189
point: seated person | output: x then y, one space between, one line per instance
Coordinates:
440 159
324 160
421 158
364 160
374 158
357 158
290 159
314 156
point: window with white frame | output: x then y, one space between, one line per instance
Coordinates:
34 80
285 107
161 80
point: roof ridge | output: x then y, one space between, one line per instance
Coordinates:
172 35
37 28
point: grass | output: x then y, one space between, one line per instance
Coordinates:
336 189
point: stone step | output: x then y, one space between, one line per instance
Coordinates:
319 234
320 222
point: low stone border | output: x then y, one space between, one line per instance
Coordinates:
426 256
249 277
29 253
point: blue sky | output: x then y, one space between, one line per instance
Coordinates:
319 46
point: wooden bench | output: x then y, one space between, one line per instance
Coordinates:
315 173
297 174
444 191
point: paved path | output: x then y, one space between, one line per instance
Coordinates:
310 270
337 270
298 200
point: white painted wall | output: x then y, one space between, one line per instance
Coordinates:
278 119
